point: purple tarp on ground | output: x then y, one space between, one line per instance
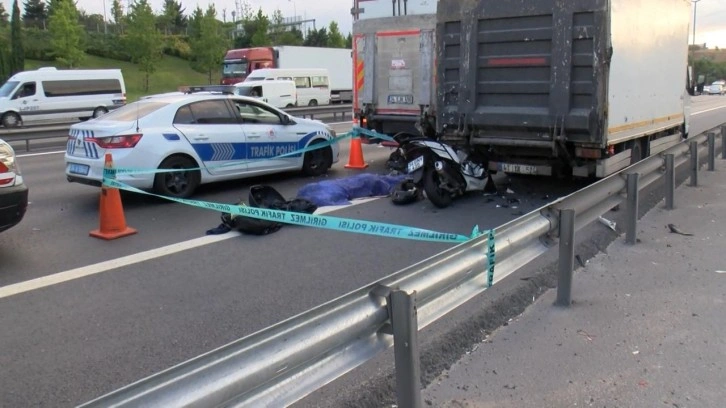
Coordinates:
341 191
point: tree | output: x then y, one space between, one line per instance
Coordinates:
143 41
17 57
5 60
317 38
172 17
335 38
67 35
195 23
117 11
3 16
260 27
35 13
349 41
209 47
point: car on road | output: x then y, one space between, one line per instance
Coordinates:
13 191
717 88
204 134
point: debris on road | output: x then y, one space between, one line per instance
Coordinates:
608 223
675 230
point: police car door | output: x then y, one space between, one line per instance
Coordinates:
213 130
267 137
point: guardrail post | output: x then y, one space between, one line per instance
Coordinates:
670 181
567 258
693 147
405 346
711 151
723 142
632 185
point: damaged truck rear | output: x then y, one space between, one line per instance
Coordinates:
561 87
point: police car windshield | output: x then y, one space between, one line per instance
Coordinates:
8 88
133 111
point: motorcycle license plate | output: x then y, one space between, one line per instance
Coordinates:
415 164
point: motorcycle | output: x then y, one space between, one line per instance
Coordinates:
443 172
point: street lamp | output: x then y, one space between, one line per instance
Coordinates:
695 8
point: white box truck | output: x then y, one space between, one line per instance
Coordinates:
239 63
577 87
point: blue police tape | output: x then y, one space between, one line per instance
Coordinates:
357 131
311 220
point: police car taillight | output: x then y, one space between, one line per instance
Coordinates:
117 142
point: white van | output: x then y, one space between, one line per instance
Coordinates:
51 95
313 84
280 94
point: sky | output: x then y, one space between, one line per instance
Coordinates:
710 20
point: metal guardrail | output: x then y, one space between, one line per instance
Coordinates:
282 364
31 133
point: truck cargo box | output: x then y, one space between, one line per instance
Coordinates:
537 73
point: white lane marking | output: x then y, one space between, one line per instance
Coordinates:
707 110
88 270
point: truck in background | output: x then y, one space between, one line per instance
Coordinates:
546 87
393 58
239 63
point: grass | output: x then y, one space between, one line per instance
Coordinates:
171 73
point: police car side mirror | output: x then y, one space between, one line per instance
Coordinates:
287 121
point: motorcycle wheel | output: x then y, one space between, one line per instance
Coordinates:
438 197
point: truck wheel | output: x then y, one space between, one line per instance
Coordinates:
11 120
438 197
636 151
179 184
313 102
318 161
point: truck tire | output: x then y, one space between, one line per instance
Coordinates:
435 194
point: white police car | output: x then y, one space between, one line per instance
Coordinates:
208 130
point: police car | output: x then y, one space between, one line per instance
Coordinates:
208 133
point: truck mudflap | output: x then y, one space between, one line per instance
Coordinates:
518 168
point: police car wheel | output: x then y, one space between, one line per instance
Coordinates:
318 161
180 184
11 120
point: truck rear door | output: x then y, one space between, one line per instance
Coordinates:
523 70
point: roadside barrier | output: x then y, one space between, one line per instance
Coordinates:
282 364
111 212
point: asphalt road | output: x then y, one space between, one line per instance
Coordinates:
141 309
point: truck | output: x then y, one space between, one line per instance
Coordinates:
393 58
239 63
578 88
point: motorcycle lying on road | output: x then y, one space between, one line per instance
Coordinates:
438 169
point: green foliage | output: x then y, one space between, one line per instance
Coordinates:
317 38
5 61
67 35
106 46
711 70
195 22
172 19
143 40
35 13
349 41
209 46
117 11
335 38
177 46
17 57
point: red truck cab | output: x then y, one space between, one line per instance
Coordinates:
241 62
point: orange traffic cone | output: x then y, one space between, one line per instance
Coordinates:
113 222
355 157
